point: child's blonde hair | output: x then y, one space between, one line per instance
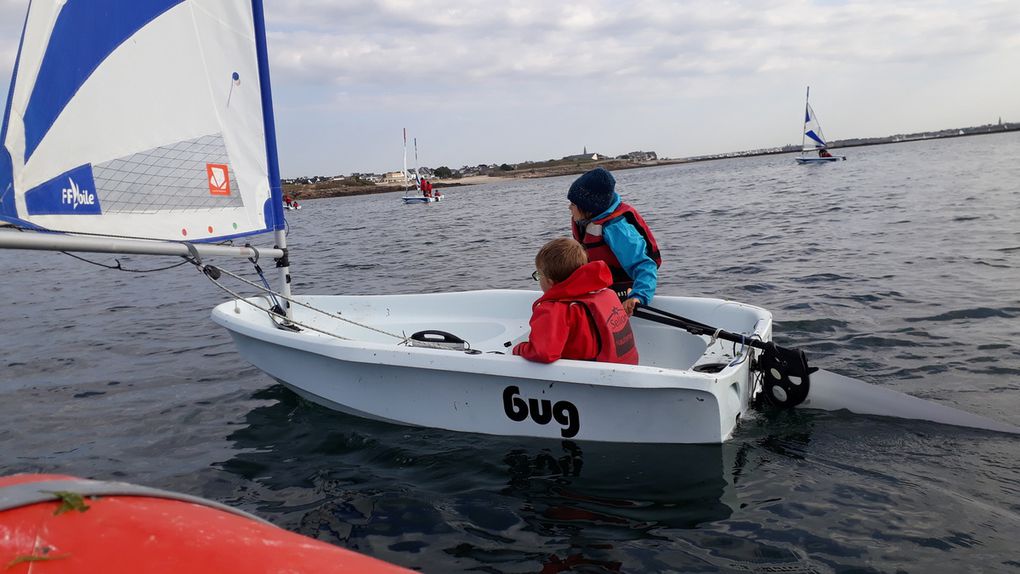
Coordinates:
559 258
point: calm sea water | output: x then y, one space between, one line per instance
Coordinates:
900 266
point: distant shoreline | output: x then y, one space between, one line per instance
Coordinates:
333 189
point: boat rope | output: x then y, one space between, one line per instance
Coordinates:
258 269
715 337
403 339
746 350
119 267
272 315
213 273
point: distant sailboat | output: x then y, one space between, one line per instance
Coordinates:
420 196
813 132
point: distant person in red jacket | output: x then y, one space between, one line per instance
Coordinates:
824 153
432 190
578 316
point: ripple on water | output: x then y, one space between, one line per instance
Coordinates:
969 313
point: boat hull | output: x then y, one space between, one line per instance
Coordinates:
664 400
421 199
57 523
810 160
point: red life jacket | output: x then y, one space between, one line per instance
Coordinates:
599 251
614 338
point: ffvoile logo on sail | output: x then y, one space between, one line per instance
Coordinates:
219 178
70 193
75 196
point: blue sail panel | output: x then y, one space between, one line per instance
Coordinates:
70 193
85 33
8 212
815 137
812 129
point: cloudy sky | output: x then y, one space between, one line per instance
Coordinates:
485 82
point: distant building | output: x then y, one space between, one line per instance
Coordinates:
639 156
396 177
584 157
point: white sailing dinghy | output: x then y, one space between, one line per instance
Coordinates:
152 132
420 197
813 132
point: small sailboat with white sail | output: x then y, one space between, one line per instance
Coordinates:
812 139
187 159
424 192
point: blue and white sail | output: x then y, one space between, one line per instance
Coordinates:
814 139
149 118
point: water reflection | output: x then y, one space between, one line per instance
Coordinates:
365 484
634 489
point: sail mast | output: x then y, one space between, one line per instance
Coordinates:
272 157
807 118
405 161
417 176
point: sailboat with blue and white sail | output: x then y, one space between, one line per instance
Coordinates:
813 140
151 131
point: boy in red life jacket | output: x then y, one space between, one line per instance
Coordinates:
615 232
577 317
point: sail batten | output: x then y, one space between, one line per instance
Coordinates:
156 129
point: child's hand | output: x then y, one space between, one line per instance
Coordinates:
629 305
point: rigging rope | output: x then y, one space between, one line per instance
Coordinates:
118 266
272 293
213 274
258 269
273 316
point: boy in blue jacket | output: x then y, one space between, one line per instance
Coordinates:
614 232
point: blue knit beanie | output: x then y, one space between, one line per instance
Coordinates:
593 191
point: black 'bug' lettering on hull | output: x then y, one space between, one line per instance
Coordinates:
541 411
